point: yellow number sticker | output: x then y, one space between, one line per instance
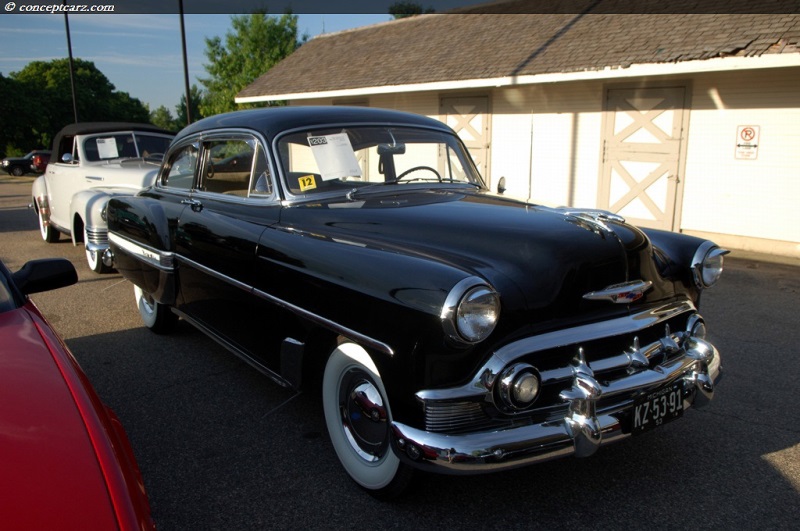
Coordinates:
307 183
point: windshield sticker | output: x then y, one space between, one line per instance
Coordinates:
334 156
107 148
307 182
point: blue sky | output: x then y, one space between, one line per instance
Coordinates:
139 54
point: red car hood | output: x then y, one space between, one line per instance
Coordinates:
55 473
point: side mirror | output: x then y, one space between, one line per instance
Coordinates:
45 275
66 157
501 186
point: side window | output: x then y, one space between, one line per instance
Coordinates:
261 183
237 167
181 168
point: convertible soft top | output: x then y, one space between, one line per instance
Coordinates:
83 128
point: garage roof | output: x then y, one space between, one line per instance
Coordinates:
434 49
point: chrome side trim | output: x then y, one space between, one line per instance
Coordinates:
317 319
163 260
327 323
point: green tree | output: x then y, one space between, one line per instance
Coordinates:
408 9
256 44
19 123
162 118
196 97
44 100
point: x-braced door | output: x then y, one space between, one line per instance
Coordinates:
643 154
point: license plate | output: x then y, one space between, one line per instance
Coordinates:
657 407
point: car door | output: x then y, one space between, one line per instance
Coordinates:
230 205
63 180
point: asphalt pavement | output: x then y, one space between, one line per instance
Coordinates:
222 447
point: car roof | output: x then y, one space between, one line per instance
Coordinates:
84 128
274 120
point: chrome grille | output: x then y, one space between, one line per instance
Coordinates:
453 417
611 355
97 236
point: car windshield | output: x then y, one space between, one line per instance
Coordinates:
345 159
125 145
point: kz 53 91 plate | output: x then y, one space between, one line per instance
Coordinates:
657 407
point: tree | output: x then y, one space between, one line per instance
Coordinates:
256 44
162 118
196 96
42 100
408 9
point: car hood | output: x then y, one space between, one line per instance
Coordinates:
51 477
537 257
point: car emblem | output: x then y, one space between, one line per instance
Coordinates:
624 293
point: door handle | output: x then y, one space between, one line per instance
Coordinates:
194 204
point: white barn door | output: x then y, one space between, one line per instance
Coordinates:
469 117
643 155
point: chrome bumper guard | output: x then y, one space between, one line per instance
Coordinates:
582 430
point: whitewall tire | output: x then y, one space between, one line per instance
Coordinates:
49 234
157 317
358 418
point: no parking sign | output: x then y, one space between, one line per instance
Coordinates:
747 141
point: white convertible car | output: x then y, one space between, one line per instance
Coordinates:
92 162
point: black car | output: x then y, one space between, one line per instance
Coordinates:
452 329
21 165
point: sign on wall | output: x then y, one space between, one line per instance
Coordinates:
747 141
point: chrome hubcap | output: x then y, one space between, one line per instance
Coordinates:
365 419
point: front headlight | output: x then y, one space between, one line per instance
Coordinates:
471 311
707 264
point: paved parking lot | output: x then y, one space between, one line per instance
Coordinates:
221 447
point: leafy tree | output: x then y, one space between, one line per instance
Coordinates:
20 123
408 9
41 100
256 44
196 96
162 118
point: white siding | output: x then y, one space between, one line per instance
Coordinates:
546 141
754 198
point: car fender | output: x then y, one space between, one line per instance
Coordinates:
86 211
142 246
40 197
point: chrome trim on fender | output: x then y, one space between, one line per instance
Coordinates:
163 260
327 323
318 319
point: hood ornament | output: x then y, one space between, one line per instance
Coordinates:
624 293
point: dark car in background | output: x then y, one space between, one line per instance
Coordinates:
450 329
66 460
35 161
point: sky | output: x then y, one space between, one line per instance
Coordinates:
139 53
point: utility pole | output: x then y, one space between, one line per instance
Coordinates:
185 68
71 67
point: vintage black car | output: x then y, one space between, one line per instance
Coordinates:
452 329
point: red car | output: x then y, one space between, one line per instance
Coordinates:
66 461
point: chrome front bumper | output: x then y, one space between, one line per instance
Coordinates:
585 426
